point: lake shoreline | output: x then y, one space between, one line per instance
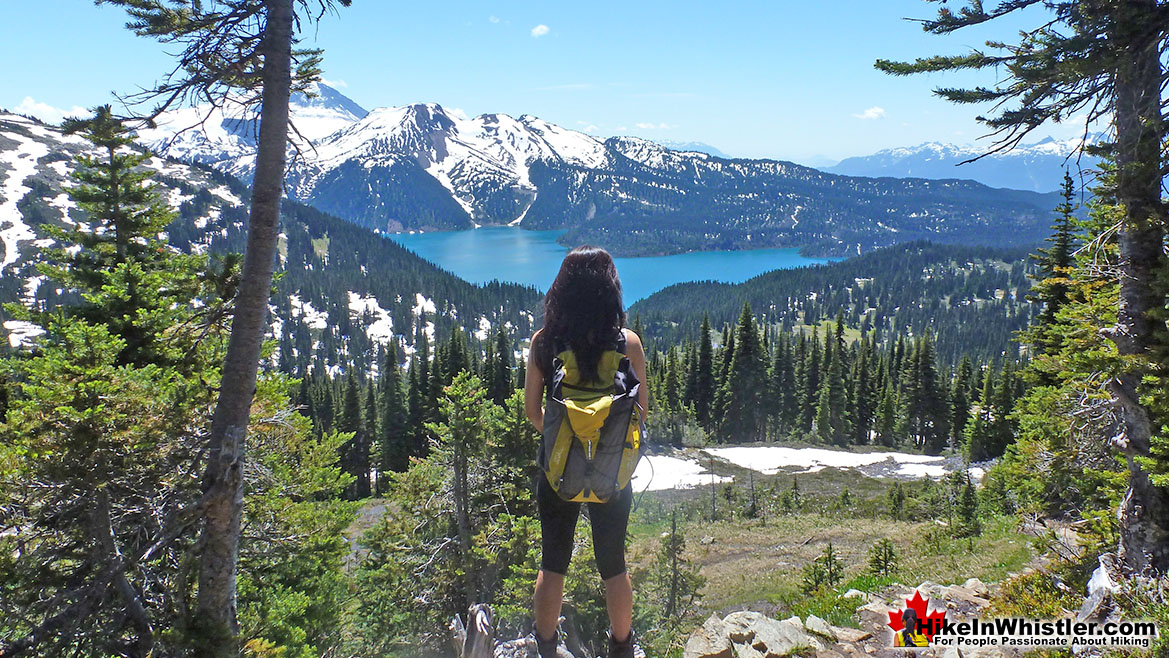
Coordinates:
532 257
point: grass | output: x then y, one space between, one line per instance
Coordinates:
321 246
757 563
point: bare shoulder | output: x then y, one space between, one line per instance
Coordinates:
631 338
537 334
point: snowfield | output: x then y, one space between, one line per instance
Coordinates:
771 459
663 472
18 163
660 472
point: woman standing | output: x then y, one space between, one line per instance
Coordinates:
583 311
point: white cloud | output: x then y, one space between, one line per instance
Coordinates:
46 112
653 126
335 84
540 30
457 111
873 112
590 128
493 19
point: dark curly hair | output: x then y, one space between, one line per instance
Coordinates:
583 310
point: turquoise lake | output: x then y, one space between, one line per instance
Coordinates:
509 253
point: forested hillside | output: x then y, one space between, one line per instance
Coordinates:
343 290
971 299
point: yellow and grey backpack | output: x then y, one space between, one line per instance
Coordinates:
592 429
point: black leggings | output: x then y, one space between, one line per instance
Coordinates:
558 529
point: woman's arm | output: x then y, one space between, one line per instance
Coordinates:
534 388
636 353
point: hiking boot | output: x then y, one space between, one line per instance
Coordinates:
546 647
627 649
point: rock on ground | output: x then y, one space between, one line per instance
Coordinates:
709 641
755 635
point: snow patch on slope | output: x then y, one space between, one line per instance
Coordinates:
22 163
380 330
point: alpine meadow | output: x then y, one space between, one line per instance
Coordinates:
862 387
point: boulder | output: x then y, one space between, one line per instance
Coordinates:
744 650
977 586
781 638
963 600
864 596
1095 606
757 636
875 613
709 641
850 635
741 626
820 627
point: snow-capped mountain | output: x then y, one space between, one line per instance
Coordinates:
1038 166
226 137
423 167
329 303
482 163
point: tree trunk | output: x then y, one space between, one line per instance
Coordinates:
462 515
1144 512
215 614
106 551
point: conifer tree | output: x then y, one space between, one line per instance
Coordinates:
101 444
782 388
394 420
743 417
1051 288
864 396
1105 59
228 51
810 392
832 414
704 385
355 452
670 589
416 408
883 558
960 401
966 508
896 500
886 419
457 357
499 381
104 415
468 419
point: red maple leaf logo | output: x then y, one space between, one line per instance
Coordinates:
929 622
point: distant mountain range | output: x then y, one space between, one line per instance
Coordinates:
1038 167
422 167
344 292
696 147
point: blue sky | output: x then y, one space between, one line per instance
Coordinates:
770 78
